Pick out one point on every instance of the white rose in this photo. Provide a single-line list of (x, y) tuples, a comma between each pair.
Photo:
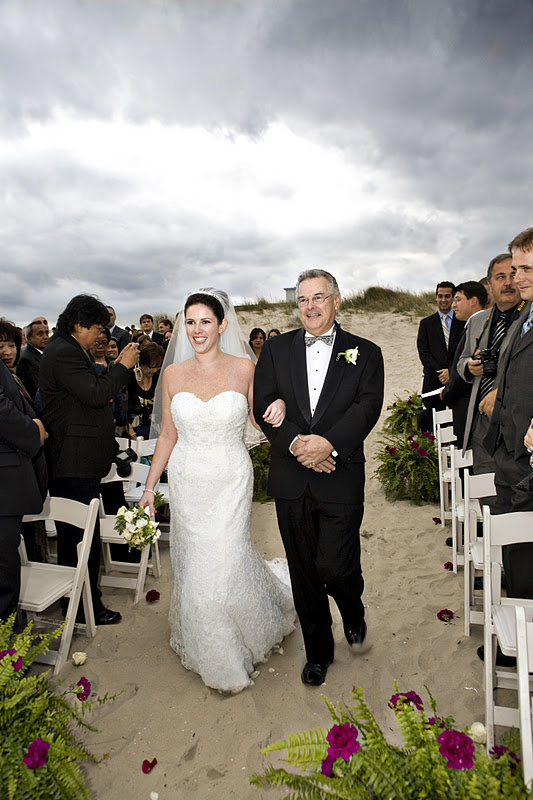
[(140, 523), (122, 510), (128, 516), (79, 659), (478, 733)]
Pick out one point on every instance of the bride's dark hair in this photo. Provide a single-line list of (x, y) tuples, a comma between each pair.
[(199, 298)]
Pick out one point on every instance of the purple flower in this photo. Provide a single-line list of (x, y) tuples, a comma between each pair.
[(409, 403), (84, 690), (390, 450), (406, 697), (499, 750), (327, 765), (431, 437), (147, 766), (343, 741), (36, 754), (445, 615), (424, 434), (399, 411), (422, 452), (436, 721), (12, 652), (152, 596), (457, 748), (414, 445), (448, 565), (411, 436), (436, 520)]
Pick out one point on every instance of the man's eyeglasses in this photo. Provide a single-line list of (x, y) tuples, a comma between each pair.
[(316, 299)]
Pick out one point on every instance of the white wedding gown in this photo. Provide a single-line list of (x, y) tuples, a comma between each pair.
[(228, 608)]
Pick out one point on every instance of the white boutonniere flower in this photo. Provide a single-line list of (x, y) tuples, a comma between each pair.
[(350, 356)]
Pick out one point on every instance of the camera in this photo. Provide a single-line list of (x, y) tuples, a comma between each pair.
[(489, 359), (123, 460)]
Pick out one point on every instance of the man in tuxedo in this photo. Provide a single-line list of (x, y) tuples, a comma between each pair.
[(77, 412), (332, 384), (23, 481), (37, 336), (147, 329), (122, 336), (487, 332), (437, 340)]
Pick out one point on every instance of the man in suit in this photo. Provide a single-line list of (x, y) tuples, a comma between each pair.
[(469, 298), (37, 336), (332, 384), (487, 332), (23, 481), (122, 336), (77, 412), (147, 329), (438, 336)]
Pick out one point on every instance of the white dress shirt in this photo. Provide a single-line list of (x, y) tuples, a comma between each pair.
[(317, 356)]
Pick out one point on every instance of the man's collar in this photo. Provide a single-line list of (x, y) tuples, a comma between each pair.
[(327, 333)]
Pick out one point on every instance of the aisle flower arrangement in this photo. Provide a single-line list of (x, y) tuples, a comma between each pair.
[(409, 468), (403, 414), (39, 753), (354, 760)]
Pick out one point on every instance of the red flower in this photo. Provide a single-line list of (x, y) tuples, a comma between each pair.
[(85, 689), (499, 750), (152, 596), (36, 754), (457, 748), (342, 744), (406, 697), (422, 452), (436, 721), (148, 766), (445, 615), (12, 652), (448, 565), (436, 520)]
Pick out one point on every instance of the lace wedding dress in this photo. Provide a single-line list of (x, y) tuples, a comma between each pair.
[(228, 606)]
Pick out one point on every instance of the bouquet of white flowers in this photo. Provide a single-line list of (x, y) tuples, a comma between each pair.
[(136, 526)]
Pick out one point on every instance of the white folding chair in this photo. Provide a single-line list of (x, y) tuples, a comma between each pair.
[(444, 437), (499, 612), (452, 476), (43, 584), (524, 666), (475, 488)]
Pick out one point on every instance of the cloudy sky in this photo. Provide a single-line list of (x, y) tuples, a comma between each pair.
[(149, 147)]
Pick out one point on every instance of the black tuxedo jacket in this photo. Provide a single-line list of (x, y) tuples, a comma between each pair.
[(347, 410), (23, 478), (122, 337), (432, 348), (77, 411), (28, 369)]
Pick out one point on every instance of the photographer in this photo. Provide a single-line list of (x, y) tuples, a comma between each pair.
[(486, 338)]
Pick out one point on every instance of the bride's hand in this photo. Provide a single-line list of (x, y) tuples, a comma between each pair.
[(275, 413), (147, 502)]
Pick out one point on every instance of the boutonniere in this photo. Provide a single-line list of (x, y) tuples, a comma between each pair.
[(350, 356)]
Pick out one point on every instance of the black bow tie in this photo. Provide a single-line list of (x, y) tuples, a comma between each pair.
[(327, 339)]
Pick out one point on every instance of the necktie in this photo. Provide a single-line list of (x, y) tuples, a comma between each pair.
[(445, 330), (327, 339), (498, 332), (527, 324)]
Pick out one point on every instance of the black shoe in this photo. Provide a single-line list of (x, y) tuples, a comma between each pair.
[(315, 674), (501, 659), (356, 636), (449, 542), (107, 617), (478, 582)]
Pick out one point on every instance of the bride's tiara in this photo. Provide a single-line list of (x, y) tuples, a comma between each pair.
[(221, 296)]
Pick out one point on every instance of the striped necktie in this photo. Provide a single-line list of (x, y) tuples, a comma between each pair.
[(527, 324), (445, 330), (498, 333)]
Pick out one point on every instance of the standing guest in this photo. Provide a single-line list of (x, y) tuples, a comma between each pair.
[(332, 384), (164, 326), (37, 337), (10, 341), (78, 416), (257, 340), (112, 349), (122, 336), (490, 295), (99, 347), (141, 390), (437, 340), (23, 484), (147, 329), (273, 332)]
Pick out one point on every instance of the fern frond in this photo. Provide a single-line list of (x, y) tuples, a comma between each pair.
[(308, 748)]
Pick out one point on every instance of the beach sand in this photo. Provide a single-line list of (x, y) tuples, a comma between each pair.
[(206, 744)]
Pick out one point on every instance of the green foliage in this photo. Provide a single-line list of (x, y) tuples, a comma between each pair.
[(30, 709), (417, 770), (260, 456), (402, 419), (409, 468)]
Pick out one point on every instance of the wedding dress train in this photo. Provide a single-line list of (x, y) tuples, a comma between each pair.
[(228, 608)]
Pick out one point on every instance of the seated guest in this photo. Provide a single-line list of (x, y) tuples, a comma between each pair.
[(77, 413), (257, 340), (141, 390), (37, 336), (273, 332)]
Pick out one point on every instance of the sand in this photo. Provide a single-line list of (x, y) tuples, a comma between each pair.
[(207, 744)]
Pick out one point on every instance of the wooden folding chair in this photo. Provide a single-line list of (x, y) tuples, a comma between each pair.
[(444, 437), (499, 612), (524, 666), (475, 488), (43, 584)]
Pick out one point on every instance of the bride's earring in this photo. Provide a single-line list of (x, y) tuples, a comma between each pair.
[(220, 342)]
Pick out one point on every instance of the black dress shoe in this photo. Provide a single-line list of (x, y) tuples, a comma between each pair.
[(501, 659), (107, 617), (449, 542), (478, 582), (315, 674), (356, 636)]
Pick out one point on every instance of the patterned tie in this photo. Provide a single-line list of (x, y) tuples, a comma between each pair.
[(498, 332), (527, 324), (445, 330), (327, 339)]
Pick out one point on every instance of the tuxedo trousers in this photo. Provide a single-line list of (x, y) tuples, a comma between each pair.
[(323, 551)]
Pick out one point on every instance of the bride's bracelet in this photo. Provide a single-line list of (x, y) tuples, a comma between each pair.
[(149, 490)]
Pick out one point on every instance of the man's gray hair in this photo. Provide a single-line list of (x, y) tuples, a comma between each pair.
[(28, 330), (497, 260), (333, 286)]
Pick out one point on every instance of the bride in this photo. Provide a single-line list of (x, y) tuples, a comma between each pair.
[(228, 607)]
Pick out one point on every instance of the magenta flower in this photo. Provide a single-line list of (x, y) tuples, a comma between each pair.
[(399, 411), (422, 452), (390, 450), (36, 754), (436, 721), (84, 690), (406, 697), (12, 652), (445, 615), (436, 520), (411, 436), (457, 748), (147, 766), (327, 766), (448, 565), (342, 744), (409, 403), (431, 437), (152, 596), (499, 750)]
